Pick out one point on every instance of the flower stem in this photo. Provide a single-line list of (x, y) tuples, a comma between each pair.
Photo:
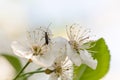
[(30, 73), (29, 61)]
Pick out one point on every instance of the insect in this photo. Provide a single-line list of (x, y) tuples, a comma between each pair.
[(46, 34)]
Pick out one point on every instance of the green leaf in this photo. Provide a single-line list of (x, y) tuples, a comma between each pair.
[(15, 62), (79, 71), (103, 57)]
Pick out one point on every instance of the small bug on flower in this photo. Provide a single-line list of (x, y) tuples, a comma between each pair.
[(47, 34)]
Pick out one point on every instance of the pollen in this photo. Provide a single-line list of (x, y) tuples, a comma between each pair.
[(58, 70), (37, 50), (75, 46)]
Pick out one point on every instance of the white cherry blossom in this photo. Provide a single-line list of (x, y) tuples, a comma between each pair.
[(34, 46), (77, 50), (61, 69)]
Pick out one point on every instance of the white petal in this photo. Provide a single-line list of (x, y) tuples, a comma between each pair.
[(58, 48), (53, 76), (47, 59), (21, 50), (66, 77), (35, 60), (59, 45), (88, 59), (58, 61), (67, 67), (75, 58)]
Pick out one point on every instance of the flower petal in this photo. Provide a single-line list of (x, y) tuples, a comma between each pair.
[(74, 57), (53, 76), (67, 72), (45, 60), (59, 46), (21, 50), (58, 49), (41, 63), (88, 59)]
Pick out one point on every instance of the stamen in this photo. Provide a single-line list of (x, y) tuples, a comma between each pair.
[(84, 39)]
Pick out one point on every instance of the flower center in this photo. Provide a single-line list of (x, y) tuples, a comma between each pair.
[(37, 50), (58, 70), (75, 46)]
